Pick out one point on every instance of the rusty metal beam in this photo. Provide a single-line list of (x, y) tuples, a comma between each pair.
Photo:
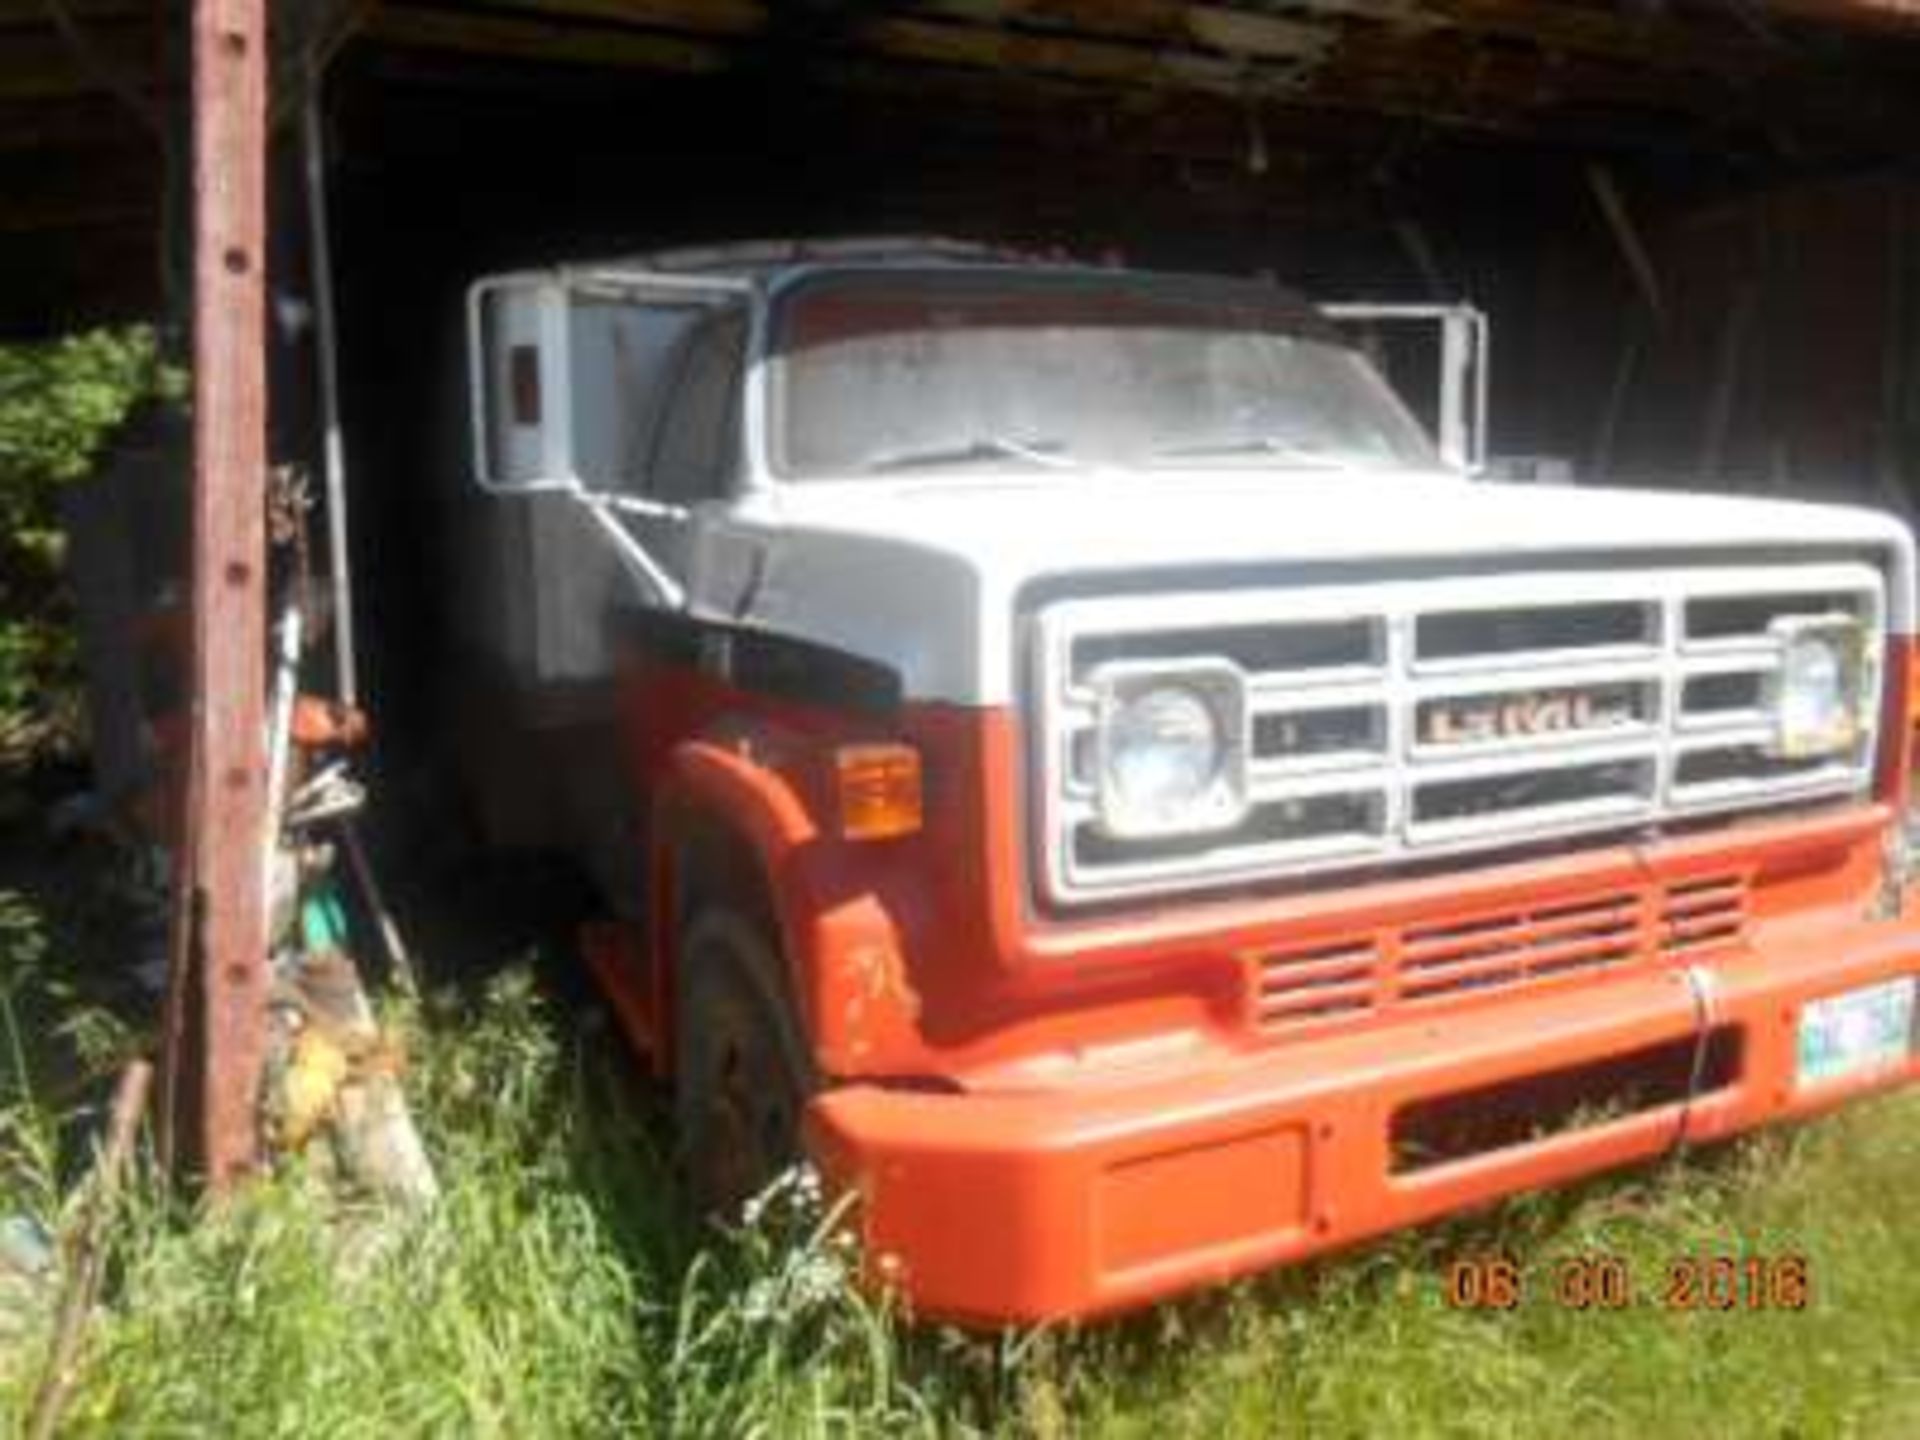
[(215, 1068)]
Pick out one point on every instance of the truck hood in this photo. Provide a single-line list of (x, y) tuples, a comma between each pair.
[(925, 574)]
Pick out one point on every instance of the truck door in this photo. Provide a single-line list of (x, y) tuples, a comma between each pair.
[(602, 427), (695, 457)]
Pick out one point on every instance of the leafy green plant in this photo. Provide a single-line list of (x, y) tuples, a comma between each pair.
[(60, 402), (773, 1334)]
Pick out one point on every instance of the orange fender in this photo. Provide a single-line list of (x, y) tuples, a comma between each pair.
[(841, 946)]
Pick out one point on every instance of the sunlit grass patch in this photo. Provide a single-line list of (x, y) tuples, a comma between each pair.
[(519, 1305)]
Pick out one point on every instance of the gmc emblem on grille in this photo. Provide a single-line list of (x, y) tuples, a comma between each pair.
[(1482, 718)]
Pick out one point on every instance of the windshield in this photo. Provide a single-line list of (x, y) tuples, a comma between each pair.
[(890, 373)]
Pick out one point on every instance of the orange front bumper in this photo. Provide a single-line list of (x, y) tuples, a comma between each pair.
[(1111, 1190)]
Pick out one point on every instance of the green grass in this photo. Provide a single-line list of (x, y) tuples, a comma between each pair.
[(551, 1293)]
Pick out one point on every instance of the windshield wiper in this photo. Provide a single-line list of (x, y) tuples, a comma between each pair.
[(980, 447), (1256, 445)]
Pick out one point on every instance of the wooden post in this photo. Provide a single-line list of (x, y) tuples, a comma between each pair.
[(218, 1030)]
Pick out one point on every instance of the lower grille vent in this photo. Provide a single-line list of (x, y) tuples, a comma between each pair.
[(1347, 977)]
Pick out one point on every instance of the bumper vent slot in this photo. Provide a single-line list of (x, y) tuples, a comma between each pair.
[(1508, 950), (1318, 983), (1703, 915), (1349, 977)]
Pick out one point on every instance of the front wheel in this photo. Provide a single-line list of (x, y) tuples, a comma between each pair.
[(742, 1076)]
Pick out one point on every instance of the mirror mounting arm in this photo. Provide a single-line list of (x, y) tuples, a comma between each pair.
[(603, 508), (639, 505)]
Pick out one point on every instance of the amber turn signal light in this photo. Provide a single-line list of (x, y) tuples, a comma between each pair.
[(880, 794)]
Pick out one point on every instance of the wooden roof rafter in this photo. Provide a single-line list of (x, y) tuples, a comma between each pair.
[(1644, 37), (1564, 73), (1889, 17), (1750, 87)]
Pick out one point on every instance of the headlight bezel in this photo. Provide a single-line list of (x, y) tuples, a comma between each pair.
[(1848, 640), (1222, 688)]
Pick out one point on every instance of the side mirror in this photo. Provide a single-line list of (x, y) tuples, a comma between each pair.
[(521, 395), (1460, 407)]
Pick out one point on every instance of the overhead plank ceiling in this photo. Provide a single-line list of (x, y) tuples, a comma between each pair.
[(90, 90), (1732, 69)]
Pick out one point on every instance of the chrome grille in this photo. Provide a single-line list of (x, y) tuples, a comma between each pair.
[(1402, 720)]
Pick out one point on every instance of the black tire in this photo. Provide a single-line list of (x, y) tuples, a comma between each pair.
[(742, 1077)]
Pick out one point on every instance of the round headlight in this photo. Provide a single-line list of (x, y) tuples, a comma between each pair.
[(1817, 692), (1164, 753)]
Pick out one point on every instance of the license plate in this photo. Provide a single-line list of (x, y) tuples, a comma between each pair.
[(1858, 1032)]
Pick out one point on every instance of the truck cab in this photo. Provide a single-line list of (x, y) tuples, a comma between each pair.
[(1065, 751)]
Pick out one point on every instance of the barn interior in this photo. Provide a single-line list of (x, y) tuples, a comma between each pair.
[(1694, 223)]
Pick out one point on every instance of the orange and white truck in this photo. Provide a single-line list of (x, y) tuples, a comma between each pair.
[(1064, 750)]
